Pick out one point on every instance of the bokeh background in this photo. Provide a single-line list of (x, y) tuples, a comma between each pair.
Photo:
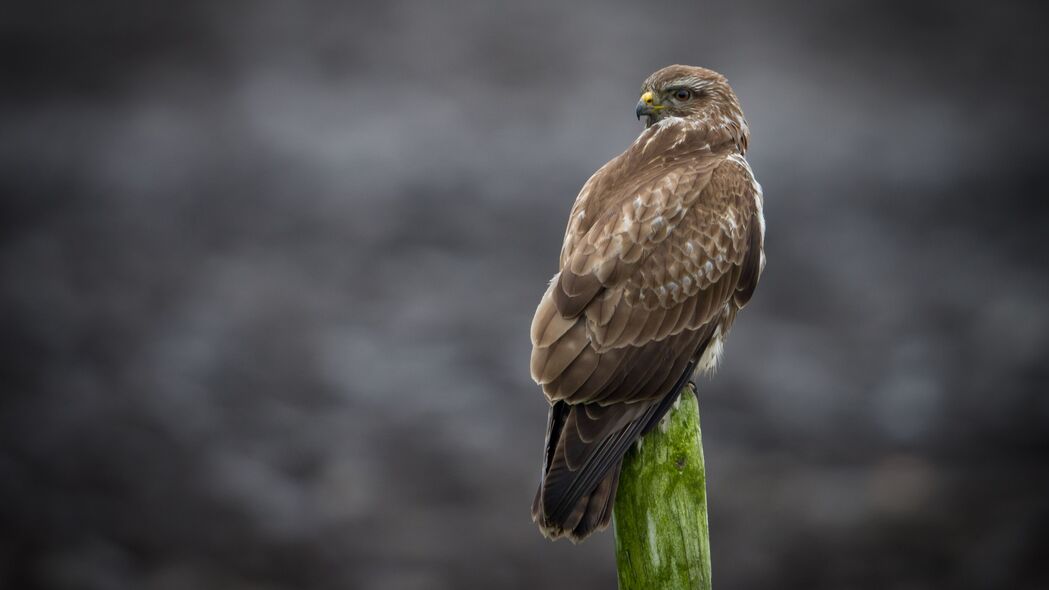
[(268, 270)]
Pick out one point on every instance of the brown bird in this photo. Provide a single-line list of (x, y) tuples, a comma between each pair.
[(664, 245)]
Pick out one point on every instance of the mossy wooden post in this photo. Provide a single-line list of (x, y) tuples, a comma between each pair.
[(662, 540)]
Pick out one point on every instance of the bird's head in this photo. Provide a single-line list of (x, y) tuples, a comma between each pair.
[(687, 92)]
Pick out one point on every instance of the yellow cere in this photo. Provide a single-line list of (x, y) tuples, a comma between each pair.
[(650, 99)]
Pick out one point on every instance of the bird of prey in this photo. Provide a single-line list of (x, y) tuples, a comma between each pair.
[(664, 245)]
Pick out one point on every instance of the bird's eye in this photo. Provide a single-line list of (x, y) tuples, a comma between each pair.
[(682, 94)]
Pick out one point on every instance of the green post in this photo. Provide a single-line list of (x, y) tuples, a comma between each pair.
[(662, 539)]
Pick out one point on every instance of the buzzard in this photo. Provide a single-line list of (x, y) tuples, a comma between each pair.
[(664, 246)]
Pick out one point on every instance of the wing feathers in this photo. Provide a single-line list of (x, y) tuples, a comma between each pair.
[(577, 373), (548, 363), (681, 284), (574, 292), (548, 325), (751, 269)]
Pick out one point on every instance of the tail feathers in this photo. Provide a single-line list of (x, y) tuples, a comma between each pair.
[(584, 453), (591, 513)]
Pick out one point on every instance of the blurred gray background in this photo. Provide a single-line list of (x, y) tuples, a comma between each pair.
[(268, 270)]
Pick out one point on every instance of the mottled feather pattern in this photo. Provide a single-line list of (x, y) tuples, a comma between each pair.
[(664, 245)]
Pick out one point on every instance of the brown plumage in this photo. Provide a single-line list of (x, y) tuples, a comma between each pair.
[(664, 245)]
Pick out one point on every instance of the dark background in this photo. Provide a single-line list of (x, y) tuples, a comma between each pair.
[(268, 269)]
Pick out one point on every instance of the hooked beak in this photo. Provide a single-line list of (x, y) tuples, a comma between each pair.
[(648, 107)]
